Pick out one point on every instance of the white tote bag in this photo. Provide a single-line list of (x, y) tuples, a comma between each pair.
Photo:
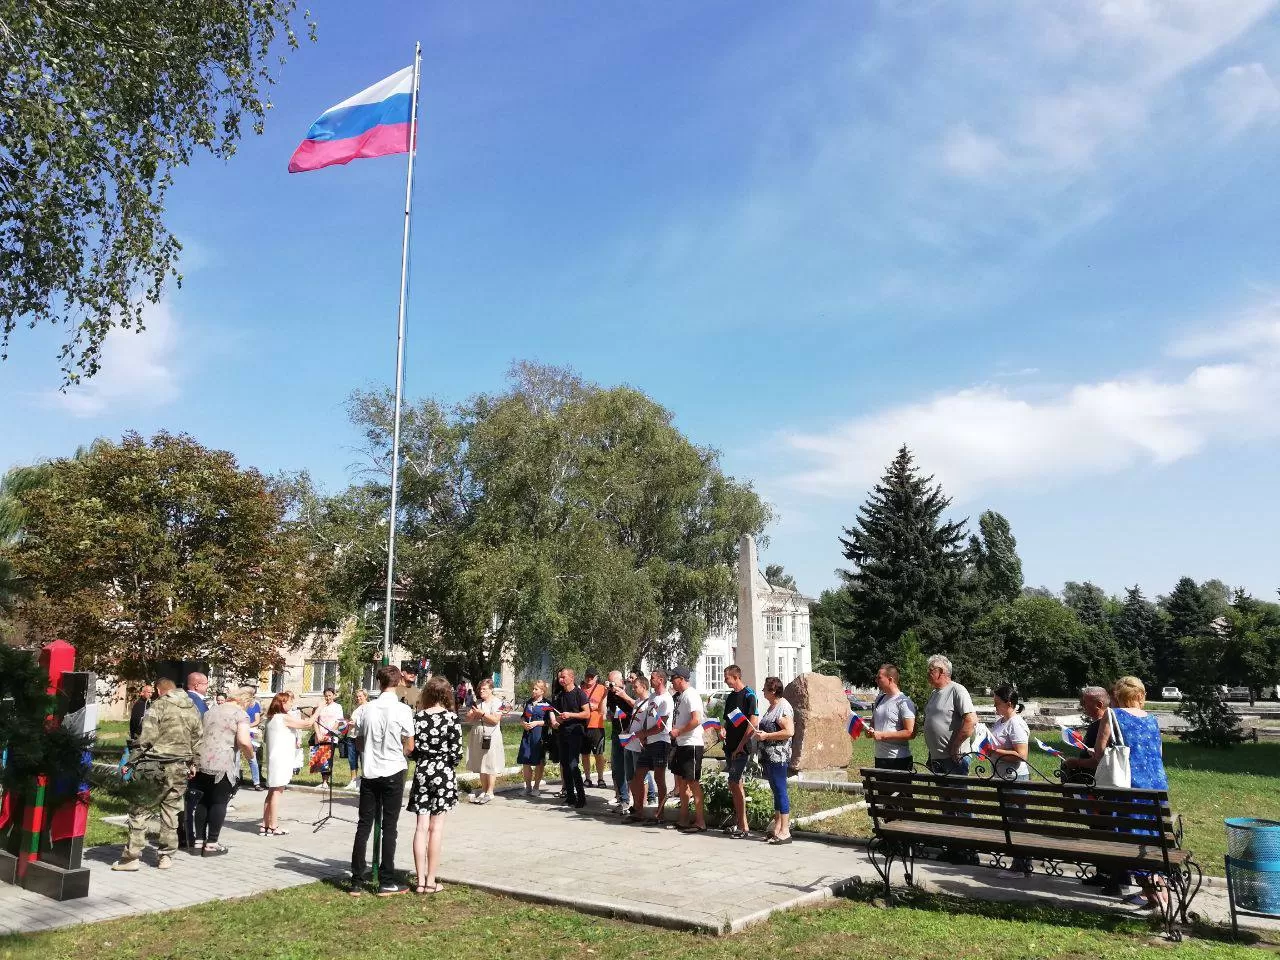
[(1113, 768)]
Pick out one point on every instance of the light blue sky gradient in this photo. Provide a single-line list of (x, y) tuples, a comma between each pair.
[(1036, 242)]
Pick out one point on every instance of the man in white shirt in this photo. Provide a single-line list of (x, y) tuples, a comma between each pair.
[(328, 717), (654, 734), (686, 766), (385, 730)]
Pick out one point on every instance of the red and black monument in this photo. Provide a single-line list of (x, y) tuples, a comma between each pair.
[(42, 827)]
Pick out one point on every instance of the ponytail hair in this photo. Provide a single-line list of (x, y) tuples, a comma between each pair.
[(1008, 692)]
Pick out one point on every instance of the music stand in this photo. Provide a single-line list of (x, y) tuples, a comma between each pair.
[(327, 815)]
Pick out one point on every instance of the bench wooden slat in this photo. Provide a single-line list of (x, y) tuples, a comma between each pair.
[(889, 777), (1033, 844), (904, 809), (1051, 830), (1069, 802)]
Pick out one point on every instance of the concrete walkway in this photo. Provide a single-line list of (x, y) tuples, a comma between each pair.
[(725, 885)]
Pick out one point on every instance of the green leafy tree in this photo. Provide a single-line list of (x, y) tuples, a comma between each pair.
[(160, 549), (830, 634), (1088, 602), (1046, 650), (102, 104), (775, 576), (557, 517), (913, 669), (909, 563), (994, 553)]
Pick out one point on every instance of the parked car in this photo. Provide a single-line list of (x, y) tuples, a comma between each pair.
[(1237, 693), (1170, 693)]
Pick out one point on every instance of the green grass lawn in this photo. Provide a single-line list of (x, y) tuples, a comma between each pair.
[(1206, 786), (319, 921)]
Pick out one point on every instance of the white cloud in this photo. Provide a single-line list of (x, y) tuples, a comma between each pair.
[(1257, 332), (969, 155), (137, 369), (989, 436), (1242, 96)]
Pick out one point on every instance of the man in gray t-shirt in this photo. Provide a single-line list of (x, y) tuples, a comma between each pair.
[(949, 719), (893, 722)]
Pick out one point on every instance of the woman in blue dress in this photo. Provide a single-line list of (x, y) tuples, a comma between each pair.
[(533, 749), (1140, 732)]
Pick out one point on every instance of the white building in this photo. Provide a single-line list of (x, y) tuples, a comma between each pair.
[(786, 649)]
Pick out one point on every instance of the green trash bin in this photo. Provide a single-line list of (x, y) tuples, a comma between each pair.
[(1253, 867)]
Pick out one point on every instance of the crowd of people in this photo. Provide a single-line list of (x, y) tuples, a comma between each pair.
[(652, 726)]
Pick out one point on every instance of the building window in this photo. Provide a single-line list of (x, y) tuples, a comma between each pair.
[(277, 681), (795, 665), (370, 679), (713, 673), (320, 674), (773, 627)]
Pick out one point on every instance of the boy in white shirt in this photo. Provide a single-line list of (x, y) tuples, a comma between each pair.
[(686, 766)]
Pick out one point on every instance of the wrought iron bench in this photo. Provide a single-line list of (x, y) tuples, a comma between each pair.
[(1088, 827)]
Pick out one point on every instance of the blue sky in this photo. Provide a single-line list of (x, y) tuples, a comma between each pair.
[(1035, 241)]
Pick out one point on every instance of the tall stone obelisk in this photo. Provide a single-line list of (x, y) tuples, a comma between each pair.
[(751, 652)]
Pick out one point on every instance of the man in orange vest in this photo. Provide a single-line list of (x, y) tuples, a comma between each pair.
[(593, 741)]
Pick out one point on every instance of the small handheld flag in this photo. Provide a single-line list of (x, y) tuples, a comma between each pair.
[(711, 723), (736, 717), (856, 726), (619, 713), (625, 738), (1072, 738), (985, 747), (1048, 749)]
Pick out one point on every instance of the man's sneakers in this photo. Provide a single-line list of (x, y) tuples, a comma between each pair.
[(165, 862), (132, 865), (390, 888), (354, 784)]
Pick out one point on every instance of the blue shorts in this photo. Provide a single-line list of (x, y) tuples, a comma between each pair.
[(736, 767)]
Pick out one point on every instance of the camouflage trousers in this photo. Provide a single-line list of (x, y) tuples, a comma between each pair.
[(167, 783)]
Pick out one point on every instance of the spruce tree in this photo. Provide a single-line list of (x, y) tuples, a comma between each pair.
[(908, 561), (1137, 629), (1187, 618), (1212, 722)]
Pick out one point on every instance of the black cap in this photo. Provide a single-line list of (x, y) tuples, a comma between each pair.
[(681, 672), (591, 672)]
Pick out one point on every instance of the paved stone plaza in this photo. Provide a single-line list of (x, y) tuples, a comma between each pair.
[(633, 868)]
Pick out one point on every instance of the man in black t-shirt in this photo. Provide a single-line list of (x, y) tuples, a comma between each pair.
[(140, 708), (740, 706), (572, 709)]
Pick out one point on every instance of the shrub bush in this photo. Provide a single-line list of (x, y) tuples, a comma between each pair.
[(719, 803)]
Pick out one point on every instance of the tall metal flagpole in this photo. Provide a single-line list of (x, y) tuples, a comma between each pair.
[(395, 430), (404, 288)]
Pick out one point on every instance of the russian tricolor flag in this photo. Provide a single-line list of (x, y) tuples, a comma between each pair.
[(984, 747), (1073, 738), (1048, 749), (373, 123), (625, 738), (737, 717), (856, 726), (711, 723), (619, 713)]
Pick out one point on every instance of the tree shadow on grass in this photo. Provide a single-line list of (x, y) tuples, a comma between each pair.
[(872, 893)]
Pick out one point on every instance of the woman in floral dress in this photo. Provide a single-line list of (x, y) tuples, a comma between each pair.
[(437, 750)]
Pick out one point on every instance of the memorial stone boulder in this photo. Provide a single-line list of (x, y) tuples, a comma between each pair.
[(822, 718)]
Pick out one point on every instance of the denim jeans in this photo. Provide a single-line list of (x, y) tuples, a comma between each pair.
[(379, 800), (776, 774), (618, 766)]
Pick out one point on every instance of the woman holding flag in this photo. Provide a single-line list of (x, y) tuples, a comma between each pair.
[(775, 730), (533, 751)]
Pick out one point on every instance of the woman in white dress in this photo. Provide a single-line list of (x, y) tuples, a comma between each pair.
[(281, 746), (484, 747)]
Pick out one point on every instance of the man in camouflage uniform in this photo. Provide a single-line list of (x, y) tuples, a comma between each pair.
[(166, 752)]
